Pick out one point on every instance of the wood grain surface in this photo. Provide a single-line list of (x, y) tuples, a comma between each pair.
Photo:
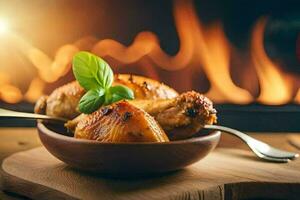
[(224, 174), (19, 139), (13, 140), (295, 140)]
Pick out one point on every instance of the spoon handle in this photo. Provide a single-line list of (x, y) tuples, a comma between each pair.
[(261, 149), (231, 131), (4, 113)]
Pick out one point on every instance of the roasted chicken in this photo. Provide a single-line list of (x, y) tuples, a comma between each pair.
[(120, 122), (180, 117), (63, 102)]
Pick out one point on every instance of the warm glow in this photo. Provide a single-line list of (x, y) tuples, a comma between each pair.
[(35, 90), (297, 98), (209, 49), (10, 94), (275, 87), (48, 69), (3, 26), (4, 79), (204, 49), (213, 52)]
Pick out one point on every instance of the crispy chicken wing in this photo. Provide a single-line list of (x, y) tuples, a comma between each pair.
[(64, 100), (120, 122), (180, 117)]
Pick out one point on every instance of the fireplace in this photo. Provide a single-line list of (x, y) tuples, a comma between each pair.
[(246, 58)]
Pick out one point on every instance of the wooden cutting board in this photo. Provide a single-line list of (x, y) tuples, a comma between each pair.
[(224, 174)]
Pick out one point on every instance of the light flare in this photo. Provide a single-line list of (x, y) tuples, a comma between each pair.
[(4, 26)]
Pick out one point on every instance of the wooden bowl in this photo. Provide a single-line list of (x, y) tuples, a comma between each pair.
[(127, 159)]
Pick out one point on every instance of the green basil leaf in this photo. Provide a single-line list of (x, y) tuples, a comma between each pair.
[(96, 77), (118, 93), (91, 71), (92, 100), (105, 74), (85, 69)]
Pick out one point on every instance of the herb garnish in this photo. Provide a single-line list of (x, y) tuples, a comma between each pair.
[(96, 77)]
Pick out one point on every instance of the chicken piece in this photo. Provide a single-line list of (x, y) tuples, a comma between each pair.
[(145, 88), (120, 122), (64, 100), (180, 117)]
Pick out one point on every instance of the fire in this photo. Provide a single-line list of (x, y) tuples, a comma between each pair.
[(275, 87), (203, 49), (213, 53), (35, 90), (50, 70), (10, 93), (297, 98)]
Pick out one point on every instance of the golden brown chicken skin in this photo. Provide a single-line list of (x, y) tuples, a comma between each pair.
[(180, 117), (63, 101), (120, 122), (145, 88)]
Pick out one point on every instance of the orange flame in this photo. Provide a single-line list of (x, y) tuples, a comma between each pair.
[(35, 90), (214, 54), (10, 93), (49, 70), (210, 49), (275, 87), (297, 98), (204, 48)]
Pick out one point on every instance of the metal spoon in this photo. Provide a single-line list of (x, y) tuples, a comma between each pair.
[(14, 114), (262, 150)]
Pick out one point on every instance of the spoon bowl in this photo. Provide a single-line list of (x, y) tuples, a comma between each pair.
[(125, 159)]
